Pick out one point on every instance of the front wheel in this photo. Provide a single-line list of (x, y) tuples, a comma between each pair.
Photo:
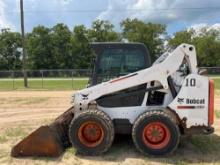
[(92, 132), (155, 133)]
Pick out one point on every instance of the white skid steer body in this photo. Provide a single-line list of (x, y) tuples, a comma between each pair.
[(188, 96)]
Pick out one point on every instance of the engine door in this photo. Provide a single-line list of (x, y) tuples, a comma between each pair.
[(192, 100)]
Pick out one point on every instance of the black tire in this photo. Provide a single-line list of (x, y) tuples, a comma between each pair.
[(169, 134), (79, 139)]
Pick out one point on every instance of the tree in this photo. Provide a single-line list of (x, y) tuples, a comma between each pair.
[(180, 37), (40, 49), (102, 31), (10, 57), (205, 40), (152, 35), (80, 47), (60, 48), (61, 51), (208, 49)]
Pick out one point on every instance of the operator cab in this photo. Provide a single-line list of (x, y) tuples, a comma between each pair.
[(114, 59)]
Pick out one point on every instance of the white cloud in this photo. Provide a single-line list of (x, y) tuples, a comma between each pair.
[(4, 23), (204, 27), (156, 10), (56, 11), (201, 26), (64, 2)]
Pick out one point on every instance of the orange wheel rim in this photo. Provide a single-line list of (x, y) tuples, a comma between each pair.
[(91, 134), (156, 135)]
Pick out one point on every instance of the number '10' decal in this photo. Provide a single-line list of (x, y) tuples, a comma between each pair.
[(191, 82)]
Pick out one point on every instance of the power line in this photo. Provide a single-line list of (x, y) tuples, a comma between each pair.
[(118, 10)]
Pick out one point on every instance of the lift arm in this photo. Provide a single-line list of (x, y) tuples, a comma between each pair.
[(158, 72)]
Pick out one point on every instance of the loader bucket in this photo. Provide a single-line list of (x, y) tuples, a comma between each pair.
[(46, 141)]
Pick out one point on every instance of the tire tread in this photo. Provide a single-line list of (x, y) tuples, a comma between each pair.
[(159, 113), (103, 116)]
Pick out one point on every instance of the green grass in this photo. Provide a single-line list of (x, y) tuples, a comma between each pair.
[(217, 84), (217, 113), (216, 79), (3, 139), (47, 84), (16, 132), (55, 84), (206, 144)]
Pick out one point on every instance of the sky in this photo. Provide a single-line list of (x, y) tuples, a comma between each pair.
[(175, 14)]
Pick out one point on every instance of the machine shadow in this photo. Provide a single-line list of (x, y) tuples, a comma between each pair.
[(192, 149)]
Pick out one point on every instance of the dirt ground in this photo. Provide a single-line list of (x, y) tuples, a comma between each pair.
[(23, 111)]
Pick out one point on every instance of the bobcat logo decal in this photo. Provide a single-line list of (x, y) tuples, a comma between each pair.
[(180, 100)]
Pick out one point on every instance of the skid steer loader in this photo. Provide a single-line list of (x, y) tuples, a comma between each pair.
[(156, 104)]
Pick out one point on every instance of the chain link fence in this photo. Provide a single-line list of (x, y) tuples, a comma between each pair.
[(45, 79), (69, 79), (212, 70)]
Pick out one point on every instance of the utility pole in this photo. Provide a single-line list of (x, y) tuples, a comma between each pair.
[(23, 45)]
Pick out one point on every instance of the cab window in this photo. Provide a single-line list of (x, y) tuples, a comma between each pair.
[(117, 62)]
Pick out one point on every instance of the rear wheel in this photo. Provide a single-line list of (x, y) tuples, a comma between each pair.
[(155, 133), (92, 132)]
